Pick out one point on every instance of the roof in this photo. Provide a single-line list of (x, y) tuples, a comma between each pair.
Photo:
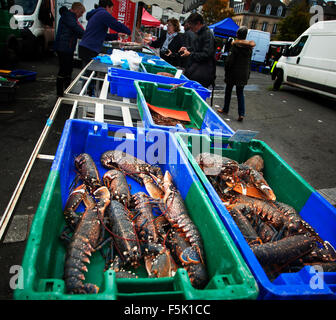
[(148, 20), (322, 27), (264, 3)]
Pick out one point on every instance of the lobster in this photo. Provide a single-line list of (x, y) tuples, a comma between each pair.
[(129, 164), (83, 243), (239, 177), (189, 258), (158, 260), (87, 171), (75, 198), (177, 215), (283, 251), (117, 266), (116, 182), (123, 232), (277, 214), (263, 209), (244, 225), (256, 162)]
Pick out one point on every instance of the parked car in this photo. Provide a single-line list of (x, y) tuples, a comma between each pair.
[(310, 62)]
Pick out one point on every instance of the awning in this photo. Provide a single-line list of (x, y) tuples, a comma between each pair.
[(225, 28), (148, 20)]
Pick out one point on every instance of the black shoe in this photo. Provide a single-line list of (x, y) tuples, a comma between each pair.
[(222, 111), (240, 118)]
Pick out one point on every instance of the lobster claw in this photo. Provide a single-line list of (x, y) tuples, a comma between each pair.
[(161, 265), (190, 255), (261, 184)]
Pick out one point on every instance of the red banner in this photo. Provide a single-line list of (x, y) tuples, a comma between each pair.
[(124, 12)]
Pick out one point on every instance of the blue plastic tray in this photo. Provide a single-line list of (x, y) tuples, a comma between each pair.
[(186, 99), (289, 188), (23, 75), (122, 82)]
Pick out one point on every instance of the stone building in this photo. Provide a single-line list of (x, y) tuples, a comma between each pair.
[(263, 15)]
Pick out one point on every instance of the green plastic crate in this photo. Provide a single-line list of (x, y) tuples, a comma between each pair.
[(289, 187), (154, 68), (43, 262), (202, 116)]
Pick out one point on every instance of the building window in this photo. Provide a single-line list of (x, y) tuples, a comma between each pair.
[(268, 9), (274, 30), (264, 26), (279, 12), (253, 24), (257, 8)]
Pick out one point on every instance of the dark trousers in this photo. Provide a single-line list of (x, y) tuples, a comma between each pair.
[(86, 54), (240, 98), (65, 60)]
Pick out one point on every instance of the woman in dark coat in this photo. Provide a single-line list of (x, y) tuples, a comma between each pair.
[(69, 30), (237, 71), (170, 43)]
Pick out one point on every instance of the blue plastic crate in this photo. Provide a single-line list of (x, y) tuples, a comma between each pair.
[(23, 75), (203, 118), (294, 191), (122, 82)]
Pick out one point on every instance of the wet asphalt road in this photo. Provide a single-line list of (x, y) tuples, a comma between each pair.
[(299, 126)]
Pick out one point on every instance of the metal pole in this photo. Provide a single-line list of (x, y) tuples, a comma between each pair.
[(17, 192)]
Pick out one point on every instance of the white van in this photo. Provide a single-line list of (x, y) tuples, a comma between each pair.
[(37, 19), (310, 62), (262, 40)]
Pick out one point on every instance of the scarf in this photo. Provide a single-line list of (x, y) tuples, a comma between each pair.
[(169, 38)]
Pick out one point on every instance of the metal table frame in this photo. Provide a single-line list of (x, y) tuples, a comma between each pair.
[(100, 107)]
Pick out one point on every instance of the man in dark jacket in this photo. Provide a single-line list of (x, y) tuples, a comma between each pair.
[(189, 40), (69, 30), (96, 32), (237, 71), (202, 61)]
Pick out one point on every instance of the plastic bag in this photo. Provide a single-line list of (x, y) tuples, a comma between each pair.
[(118, 58)]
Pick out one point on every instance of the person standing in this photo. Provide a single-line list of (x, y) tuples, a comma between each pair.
[(96, 32), (170, 43), (202, 56), (189, 39), (69, 30), (237, 71)]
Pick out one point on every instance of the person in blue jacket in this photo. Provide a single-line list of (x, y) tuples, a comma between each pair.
[(96, 32), (69, 30)]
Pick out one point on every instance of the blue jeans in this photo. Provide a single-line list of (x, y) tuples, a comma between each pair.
[(240, 98)]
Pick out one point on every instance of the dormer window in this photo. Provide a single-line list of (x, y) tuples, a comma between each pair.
[(268, 9), (257, 8), (279, 11)]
